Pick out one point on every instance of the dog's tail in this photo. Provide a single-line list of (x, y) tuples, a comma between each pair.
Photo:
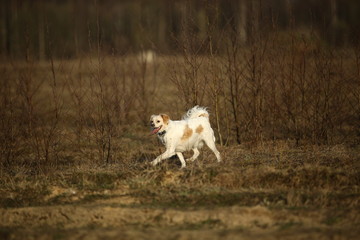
[(196, 112)]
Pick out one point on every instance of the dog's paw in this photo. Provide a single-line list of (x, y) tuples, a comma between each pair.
[(153, 163)]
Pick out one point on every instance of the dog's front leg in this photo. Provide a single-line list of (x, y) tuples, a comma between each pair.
[(182, 160), (165, 155)]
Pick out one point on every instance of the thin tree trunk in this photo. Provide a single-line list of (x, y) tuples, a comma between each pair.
[(242, 21), (41, 30), (4, 19), (334, 22), (6, 27)]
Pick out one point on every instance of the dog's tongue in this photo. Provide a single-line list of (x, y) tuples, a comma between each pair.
[(155, 130)]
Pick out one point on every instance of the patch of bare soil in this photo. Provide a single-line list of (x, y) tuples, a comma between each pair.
[(111, 219)]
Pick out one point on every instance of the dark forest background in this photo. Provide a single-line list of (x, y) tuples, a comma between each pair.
[(70, 28)]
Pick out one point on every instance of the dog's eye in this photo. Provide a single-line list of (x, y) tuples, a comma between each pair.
[(157, 121)]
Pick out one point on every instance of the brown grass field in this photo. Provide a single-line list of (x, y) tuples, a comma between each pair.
[(265, 193), (75, 148)]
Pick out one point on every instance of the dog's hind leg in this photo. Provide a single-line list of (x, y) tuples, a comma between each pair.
[(182, 160), (194, 157), (211, 145)]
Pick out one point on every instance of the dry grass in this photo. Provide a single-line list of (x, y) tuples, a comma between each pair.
[(269, 191)]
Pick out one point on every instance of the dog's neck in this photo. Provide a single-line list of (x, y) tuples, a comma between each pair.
[(161, 134)]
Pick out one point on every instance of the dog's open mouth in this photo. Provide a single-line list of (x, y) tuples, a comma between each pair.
[(155, 130)]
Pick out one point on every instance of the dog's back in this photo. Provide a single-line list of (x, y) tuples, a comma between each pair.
[(192, 130)]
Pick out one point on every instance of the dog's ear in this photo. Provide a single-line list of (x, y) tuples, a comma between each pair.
[(165, 118)]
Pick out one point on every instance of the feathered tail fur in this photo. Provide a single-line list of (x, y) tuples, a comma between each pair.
[(196, 112)]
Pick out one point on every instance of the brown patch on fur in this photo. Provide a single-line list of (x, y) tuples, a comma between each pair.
[(203, 115), (187, 133), (165, 118), (199, 129)]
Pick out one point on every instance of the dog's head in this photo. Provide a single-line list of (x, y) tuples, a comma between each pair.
[(159, 123)]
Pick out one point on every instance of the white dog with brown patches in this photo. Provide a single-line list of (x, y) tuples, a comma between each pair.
[(190, 133)]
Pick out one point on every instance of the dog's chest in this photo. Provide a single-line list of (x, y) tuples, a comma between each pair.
[(162, 139)]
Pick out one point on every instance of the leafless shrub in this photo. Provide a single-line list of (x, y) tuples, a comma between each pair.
[(186, 73), (233, 71), (144, 77), (279, 86), (353, 93), (10, 125), (31, 115)]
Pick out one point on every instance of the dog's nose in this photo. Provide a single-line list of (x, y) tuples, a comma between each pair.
[(152, 124)]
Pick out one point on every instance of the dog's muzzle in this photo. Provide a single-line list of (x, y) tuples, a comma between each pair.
[(155, 130)]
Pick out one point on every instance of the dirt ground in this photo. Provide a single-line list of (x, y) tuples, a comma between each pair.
[(101, 220), (122, 218)]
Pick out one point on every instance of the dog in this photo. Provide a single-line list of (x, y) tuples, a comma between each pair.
[(187, 134)]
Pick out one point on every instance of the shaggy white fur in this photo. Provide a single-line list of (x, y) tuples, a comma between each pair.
[(179, 136)]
